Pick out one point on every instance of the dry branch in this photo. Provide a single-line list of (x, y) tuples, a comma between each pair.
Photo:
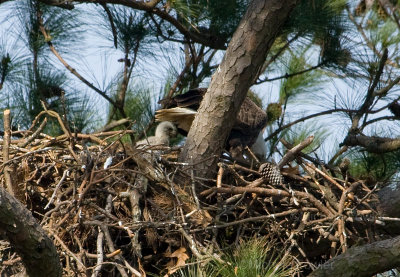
[(133, 206), (6, 145), (361, 261), (28, 238)]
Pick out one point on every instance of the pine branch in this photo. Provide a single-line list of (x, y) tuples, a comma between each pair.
[(368, 41), (280, 129), (58, 3), (113, 29), (71, 69), (150, 6), (286, 76), (372, 144), (390, 10), (369, 98)]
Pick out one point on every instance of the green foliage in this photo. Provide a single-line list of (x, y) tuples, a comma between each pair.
[(300, 132), (322, 21), (317, 18), (49, 87), (388, 34), (27, 96), (36, 82), (131, 29), (140, 106), (196, 269), (62, 25), (308, 82), (224, 16), (220, 17), (381, 31), (274, 112), (255, 257), (190, 11), (11, 63), (374, 167)]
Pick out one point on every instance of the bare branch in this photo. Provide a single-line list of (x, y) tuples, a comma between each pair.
[(113, 29), (47, 37), (362, 261), (372, 144), (29, 240), (293, 152)]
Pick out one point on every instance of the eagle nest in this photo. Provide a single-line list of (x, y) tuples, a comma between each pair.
[(121, 209)]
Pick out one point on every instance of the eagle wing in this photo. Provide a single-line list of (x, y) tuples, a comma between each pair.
[(181, 110), (182, 117), (190, 99), (250, 121)]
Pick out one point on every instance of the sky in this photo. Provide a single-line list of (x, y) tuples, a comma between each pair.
[(98, 63)]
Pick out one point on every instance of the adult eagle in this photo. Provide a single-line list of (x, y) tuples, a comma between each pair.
[(247, 130)]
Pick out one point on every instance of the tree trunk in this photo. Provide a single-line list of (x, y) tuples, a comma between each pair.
[(27, 237), (366, 260), (388, 201), (242, 62)]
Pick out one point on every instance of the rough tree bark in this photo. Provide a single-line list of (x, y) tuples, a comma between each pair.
[(27, 237), (366, 260), (388, 202), (243, 60)]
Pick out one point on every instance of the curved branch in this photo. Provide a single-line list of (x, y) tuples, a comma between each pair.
[(294, 151), (27, 237), (372, 144), (286, 76), (277, 131), (150, 6), (270, 192), (390, 118), (366, 260), (47, 38), (112, 25)]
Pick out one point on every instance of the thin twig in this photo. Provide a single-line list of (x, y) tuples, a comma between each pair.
[(6, 147)]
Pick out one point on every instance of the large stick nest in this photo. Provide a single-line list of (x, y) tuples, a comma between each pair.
[(115, 209)]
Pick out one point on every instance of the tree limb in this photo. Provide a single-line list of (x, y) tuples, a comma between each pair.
[(243, 59), (372, 144), (27, 237), (366, 260), (47, 38), (150, 6)]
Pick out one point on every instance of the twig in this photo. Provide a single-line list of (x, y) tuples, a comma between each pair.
[(114, 124), (6, 147), (81, 266), (109, 241), (292, 153), (134, 198), (65, 174), (34, 135), (47, 38), (110, 18), (274, 192), (100, 258), (192, 243)]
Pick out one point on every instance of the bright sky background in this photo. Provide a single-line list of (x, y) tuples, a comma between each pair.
[(99, 64)]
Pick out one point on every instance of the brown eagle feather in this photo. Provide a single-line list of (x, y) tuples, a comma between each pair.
[(181, 110)]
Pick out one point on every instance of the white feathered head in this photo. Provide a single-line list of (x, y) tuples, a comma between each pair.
[(166, 129)]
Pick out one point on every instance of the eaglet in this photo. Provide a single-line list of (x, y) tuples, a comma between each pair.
[(247, 130), (164, 131)]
